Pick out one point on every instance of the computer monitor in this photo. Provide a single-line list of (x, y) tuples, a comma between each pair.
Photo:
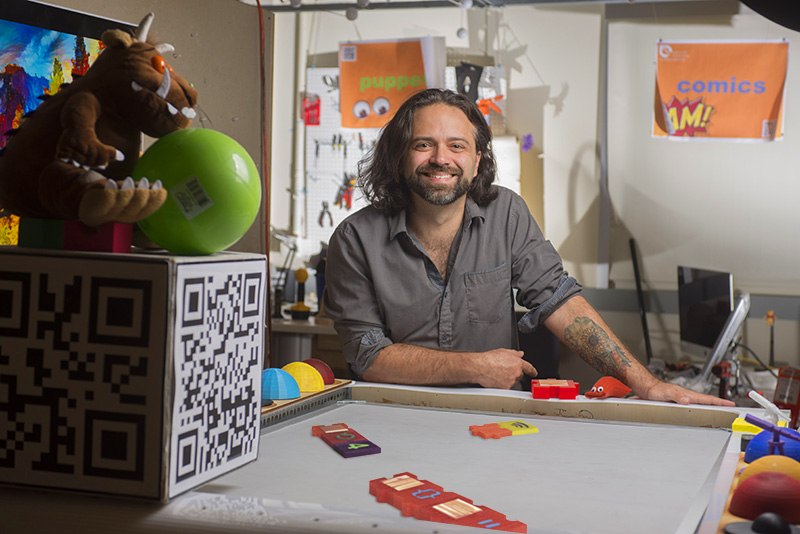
[(708, 310), (705, 301)]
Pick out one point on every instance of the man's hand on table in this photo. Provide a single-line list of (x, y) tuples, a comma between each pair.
[(664, 391)]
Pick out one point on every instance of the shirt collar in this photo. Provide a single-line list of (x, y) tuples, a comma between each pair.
[(397, 222), (472, 212)]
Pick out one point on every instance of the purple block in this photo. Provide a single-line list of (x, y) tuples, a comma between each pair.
[(356, 448)]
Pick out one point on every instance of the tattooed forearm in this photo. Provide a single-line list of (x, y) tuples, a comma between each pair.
[(592, 343)]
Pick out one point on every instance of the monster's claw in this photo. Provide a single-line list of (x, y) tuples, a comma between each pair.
[(189, 113), (127, 202), (172, 109)]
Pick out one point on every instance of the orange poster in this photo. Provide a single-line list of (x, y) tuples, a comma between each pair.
[(376, 77), (720, 90)]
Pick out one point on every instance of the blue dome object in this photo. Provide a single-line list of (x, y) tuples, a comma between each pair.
[(277, 384), (759, 446)]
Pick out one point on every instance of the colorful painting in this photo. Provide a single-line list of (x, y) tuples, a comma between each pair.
[(34, 63)]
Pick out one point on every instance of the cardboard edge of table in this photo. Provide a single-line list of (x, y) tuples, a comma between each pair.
[(622, 410)]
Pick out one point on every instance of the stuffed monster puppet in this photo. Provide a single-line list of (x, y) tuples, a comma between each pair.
[(72, 158)]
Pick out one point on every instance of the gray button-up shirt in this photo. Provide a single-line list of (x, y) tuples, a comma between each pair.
[(381, 286)]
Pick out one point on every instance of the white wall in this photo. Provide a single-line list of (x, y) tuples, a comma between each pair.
[(717, 205)]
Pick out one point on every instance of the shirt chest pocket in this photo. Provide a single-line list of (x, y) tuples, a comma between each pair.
[(488, 294)]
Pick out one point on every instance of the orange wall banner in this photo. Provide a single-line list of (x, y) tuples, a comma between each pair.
[(376, 77), (731, 90)]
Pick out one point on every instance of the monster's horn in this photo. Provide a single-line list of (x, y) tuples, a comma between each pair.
[(144, 28)]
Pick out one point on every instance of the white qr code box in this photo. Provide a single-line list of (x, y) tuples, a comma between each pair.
[(136, 375)]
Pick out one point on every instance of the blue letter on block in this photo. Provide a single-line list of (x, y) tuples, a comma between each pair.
[(434, 494)]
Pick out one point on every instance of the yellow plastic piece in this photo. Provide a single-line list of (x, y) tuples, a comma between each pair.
[(518, 427), (740, 425), (772, 462), (308, 379)]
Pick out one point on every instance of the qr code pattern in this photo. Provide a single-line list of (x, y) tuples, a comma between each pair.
[(94, 353), (81, 373), (219, 357)]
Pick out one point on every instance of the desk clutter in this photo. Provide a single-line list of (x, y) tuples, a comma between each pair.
[(765, 493)]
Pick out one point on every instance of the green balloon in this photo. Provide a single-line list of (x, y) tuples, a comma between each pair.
[(213, 187)]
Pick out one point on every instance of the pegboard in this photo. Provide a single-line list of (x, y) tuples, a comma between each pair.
[(331, 160)]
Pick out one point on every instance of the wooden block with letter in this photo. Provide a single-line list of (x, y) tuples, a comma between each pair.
[(424, 500), (344, 440)]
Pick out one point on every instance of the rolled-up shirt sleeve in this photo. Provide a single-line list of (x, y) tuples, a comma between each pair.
[(351, 302), (537, 270)]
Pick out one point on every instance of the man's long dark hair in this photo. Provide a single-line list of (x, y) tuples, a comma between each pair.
[(380, 173)]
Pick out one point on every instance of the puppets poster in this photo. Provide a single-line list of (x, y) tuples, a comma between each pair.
[(376, 77), (34, 62), (731, 90)]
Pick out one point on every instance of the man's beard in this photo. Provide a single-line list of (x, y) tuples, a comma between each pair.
[(436, 193)]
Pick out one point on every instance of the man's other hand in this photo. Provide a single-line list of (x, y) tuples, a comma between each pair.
[(501, 368)]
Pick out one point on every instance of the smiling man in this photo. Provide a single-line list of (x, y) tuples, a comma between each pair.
[(420, 284)]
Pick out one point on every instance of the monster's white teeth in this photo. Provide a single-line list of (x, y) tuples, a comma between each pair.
[(163, 89), (172, 109), (189, 113), (136, 87)]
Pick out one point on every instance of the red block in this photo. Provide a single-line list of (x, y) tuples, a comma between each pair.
[(344, 440), (319, 430), (424, 500), (552, 388), (332, 438), (109, 237)]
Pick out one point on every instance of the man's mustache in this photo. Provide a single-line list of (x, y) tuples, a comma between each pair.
[(438, 169)]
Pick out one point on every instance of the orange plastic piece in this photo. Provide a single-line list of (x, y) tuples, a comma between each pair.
[(490, 431)]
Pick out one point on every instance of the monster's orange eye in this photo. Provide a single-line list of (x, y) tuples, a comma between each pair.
[(159, 64)]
